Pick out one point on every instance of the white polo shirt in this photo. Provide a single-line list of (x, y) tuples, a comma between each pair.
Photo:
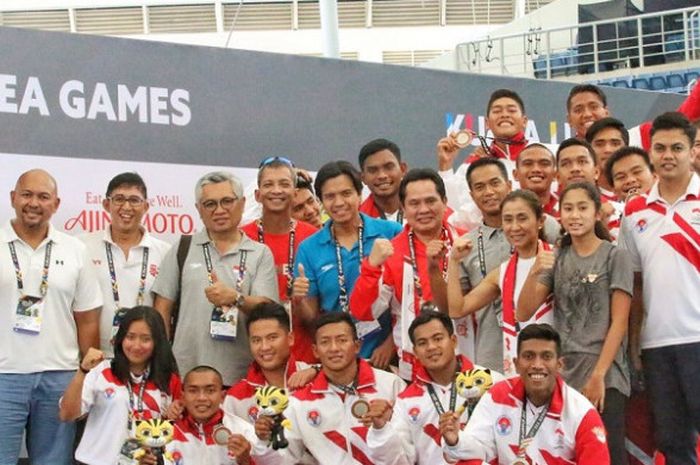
[(664, 243), (71, 288), (106, 399), (128, 274)]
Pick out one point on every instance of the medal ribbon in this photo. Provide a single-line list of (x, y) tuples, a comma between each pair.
[(136, 408), (522, 437), (453, 394), (290, 261), (343, 297), (445, 236), (113, 276), (44, 286)]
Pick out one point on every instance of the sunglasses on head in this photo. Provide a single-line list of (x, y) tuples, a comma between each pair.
[(283, 160)]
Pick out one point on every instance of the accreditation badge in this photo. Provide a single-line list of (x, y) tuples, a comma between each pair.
[(224, 323), (28, 315), (116, 323)]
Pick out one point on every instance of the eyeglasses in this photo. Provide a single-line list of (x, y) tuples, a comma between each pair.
[(120, 200), (226, 203), (282, 160)]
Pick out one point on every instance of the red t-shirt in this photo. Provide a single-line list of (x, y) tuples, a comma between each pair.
[(279, 245)]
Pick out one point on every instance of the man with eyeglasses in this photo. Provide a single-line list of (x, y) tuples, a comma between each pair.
[(225, 274), (124, 257), (49, 314), (282, 234)]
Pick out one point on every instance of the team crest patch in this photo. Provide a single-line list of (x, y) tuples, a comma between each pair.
[(504, 425), (641, 225), (177, 457), (253, 413), (109, 393), (413, 414), (313, 417), (599, 433), (153, 270)]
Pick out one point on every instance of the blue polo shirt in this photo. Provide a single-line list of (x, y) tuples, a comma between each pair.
[(317, 254)]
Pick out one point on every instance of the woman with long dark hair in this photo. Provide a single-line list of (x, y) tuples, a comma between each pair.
[(139, 383), (592, 284)]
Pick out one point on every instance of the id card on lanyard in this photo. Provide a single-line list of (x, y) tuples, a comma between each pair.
[(30, 309), (223, 324)]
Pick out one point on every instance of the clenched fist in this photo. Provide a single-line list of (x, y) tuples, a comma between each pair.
[(381, 251)]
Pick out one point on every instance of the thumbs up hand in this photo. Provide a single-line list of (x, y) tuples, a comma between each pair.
[(300, 287), (544, 261), (219, 293)]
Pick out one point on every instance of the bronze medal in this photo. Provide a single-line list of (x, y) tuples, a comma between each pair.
[(463, 138), (359, 408), (221, 435)]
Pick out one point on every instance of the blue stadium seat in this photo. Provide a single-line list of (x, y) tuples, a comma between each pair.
[(676, 80), (690, 75), (657, 83), (640, 83), (621, 83)]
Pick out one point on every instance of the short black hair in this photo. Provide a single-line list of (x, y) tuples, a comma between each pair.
[(608, 123), (674, 120), (268, 311), (573, 142), (128, 179), (334, 169), (278, 162), (486, 161), (204, 369), (328, 318), (304, 184), (505, 93), (581, 88), (377, 145), (539, 331), (425, 317), (421, 174), (624, 152), (534, 145)]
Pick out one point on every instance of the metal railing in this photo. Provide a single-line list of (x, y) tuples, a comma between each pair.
[(631, 42)]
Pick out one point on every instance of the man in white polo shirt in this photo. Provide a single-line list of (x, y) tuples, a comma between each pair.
[(662, 233), (49, 312), (125, 258)]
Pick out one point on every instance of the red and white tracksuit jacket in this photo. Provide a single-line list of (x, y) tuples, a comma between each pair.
[(193, 443), (321, 420), (379, 288), (413, 429), (571, 433), (240, 398)]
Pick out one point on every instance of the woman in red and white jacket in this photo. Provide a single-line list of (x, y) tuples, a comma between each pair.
[(139, 383)]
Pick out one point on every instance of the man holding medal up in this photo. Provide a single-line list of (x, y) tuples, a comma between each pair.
[(50, 313), (413, 428), (536, 418), (330, 416), (224, 276)]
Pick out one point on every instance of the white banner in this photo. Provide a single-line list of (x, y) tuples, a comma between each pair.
[(82, 184)]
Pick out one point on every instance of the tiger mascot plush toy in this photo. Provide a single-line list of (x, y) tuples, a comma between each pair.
[(472, 385), (153, 435), (272, 402)]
